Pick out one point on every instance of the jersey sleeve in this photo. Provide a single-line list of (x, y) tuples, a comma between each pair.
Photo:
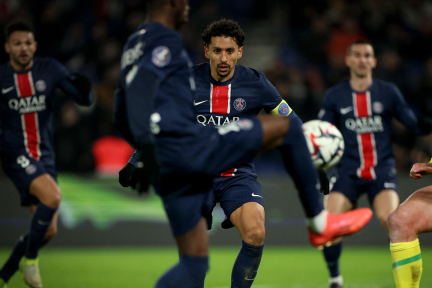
[(328, 111), (272, 102), (59, 71), (403, 112)]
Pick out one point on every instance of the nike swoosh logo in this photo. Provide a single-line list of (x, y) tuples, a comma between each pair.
[(255, 195), (42, 223), (198, 103), (346, 110), (4, 91)]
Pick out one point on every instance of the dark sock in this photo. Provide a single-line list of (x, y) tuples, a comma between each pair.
[(331, 255), (190, 272), (12, 264), (246, 265), (40, 223), (298, 162)]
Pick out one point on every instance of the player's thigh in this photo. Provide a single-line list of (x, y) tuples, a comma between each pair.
[(385, 202), (195, 241), (337, 202), (45, 188), (52, 230), (416, 211), (249, 219)]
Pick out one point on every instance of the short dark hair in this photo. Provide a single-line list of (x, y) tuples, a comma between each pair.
[(224, 27), (19, 25), (361, 41)]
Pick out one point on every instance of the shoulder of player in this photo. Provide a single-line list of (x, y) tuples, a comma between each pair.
[(337, 90), (385, 85), (199, 69), (249, 74), (154, 34), (46, 62)]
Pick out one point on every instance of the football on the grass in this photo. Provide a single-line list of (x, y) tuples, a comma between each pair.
[(325, 142)]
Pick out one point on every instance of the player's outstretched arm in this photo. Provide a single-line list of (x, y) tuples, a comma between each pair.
[(420, 169)]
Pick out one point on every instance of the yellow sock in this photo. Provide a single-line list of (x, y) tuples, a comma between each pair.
[(407, 264)]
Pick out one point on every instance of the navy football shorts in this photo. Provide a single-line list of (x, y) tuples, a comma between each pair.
[(233, 192), (22, 170), (187, 175), (353, 187)]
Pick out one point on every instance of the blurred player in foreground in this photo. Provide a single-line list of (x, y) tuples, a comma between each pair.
[(155, 112), (362, 108), (27, 155), (411, 218)]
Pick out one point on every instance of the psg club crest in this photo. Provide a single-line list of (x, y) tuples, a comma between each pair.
[(161, 56), (377, 107), (31, 169), (239, 104), (40, 85), (283, 109)]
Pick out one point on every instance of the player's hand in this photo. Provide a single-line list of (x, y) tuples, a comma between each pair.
[(420, 169), (126, 174), (81, 82), (324, 181), (146, 169)]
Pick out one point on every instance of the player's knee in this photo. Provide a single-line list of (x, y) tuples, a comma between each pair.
[(255, 236), (54, 199), (400, 223)]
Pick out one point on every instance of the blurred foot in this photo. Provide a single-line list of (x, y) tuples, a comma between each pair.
[(336, 282), (339, 225), (30, 268)]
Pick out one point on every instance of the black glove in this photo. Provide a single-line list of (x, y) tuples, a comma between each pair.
[(425, 124), (81, 83), (126, 174), (324, 181), (144, 172)]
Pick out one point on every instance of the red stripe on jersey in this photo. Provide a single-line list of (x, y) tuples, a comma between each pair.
[(228, 173), (25, 84), (29, 121), (220, 99), (31, 132), (366, 141)]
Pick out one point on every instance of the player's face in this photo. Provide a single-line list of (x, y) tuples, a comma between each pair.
[(21, 47), (183, 12), (361, 60), (223, 53)]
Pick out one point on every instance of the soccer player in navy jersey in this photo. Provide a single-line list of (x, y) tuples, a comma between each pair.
[(412, 217), (362, 108), (226, 91), (27, 155), (155, 113)]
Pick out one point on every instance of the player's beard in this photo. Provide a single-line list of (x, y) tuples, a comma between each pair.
[(223, 74), (21, 63)]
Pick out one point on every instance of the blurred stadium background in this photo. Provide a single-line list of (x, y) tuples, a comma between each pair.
[(107, 235)]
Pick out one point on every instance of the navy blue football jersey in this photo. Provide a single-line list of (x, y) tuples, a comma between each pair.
[(245, 94), (365, 121), (158, 52), (26, 107)]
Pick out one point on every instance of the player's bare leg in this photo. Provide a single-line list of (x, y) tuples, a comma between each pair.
[(249, 220), (192, 267), (412, 217), (384, 203), (47, 191)]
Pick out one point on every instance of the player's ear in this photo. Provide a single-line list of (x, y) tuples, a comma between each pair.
[(374, 62), (240, 53), (6, 46), (206, 52), (36, 45), (347, 63)]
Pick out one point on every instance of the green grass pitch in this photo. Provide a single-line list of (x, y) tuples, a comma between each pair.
[(281, 267)]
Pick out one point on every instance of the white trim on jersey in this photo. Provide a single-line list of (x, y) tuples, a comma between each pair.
[(211, 97)]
